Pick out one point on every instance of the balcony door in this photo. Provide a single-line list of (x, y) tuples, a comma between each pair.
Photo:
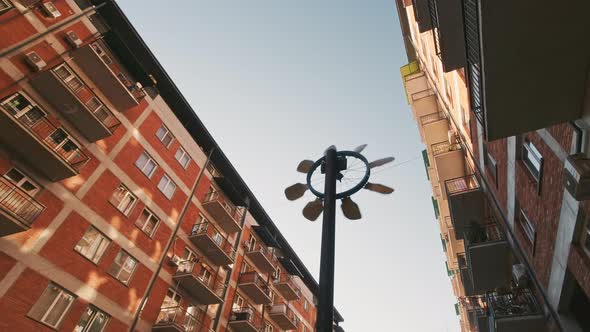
[(170, 307), (22, 181), (191, 320)]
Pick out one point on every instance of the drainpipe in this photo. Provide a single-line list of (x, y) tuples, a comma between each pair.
[(503, 220), (171, 240), (229, 272)]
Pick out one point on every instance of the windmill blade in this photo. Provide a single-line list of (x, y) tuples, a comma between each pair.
[(360, 148), (295, 191), (350, 209), (379, 188), (313, 209), (304, 166), (381, 162)]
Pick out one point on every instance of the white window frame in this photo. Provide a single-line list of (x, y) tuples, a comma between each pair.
[(147, 161), (238, 302), (62, 293), (25, 178), (528, 228), (8, 4), (305, 304), (163, 188), (92, 318), (71, 77), (19, 113), (183, 154), (99, 251), (117, 274), (165, 132), (150, 216), (126, 195), (533, 160), (251, 243)]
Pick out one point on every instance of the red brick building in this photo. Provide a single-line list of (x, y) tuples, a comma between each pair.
[(506, 135), (118, 210)]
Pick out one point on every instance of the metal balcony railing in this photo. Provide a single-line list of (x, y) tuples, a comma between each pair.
[(433, 117), (444, 147), (269, 254), (55, 138), (283, 309), (235, 212), (285, 278), (210, 280), (472, 42), (247, 314), (253, 277), (519, 302), (433, 9), (182, 319), (476, 233), (461, 185), (210, 230), (18, 203)]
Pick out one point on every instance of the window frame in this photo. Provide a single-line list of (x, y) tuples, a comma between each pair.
[(491, 165), (527, 227), (8, 4), (118, 273), (148, 160), (528, 149), (103, 237), (129, 193), (163, 190), (25, 178), (151, 215), (48, 310), (166, 133), (183, 154), (92, 318)]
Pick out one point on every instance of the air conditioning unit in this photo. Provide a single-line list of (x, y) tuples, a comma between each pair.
[(34, 61), (174, 261), (50, 10), (577, 176), (520, 276), (73, 40)]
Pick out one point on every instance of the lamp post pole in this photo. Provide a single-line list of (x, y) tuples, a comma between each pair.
[(326, 300)]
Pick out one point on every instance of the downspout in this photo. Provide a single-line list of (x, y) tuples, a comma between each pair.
[(230, 271), (171, 240), (516, 247)]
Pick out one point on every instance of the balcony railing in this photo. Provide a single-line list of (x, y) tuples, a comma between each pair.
[(55, 138), (519, 303), (247, 315), (444, 147), (461, 185), (209, 230), (213, 282), (283, 316), (262, 257), (471, 17), (253, 277), (223, 211), (232, 210), (179, 319), (257, 289), (285, 283), (476, 233), (18, 203), (433, 117)]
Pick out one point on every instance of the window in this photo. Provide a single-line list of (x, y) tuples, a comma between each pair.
[(19, 104), (245, 267), (305, 304), (22, 181), (62, 141), (92, 245), (4, 6), (98, 49), (528, 228), (164, 136), (147, 222), (491, 165), (52, 306), (167, 187), (146, 164), (533, 160), (182, 157), (238, 302), (123, 267), (268, 327), (124, 200), (304, 329), (92, 320), (172, 299), (251, 243), (69, 78)]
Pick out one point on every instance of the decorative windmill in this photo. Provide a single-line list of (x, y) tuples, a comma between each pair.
[(343, 173)]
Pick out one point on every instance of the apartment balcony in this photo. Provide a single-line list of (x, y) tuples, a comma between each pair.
[(457, 284), (178, 319), (416, 85), (514, 312), (245, 320), (199, 282), (108, 75), (434, 128), (535, 81), (448, 32), (262, 258), (285, 284), (212, 243), (255, 287), (478, 316), (283, 316), (449, 161), (69, 95), (227, 215), (422, 15), (488, 256), (466, 202), (465, 276), (18, 210), (43, 145)]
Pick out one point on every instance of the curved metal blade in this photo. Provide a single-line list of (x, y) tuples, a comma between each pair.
[(304, 166), (379, 188), (295, 191), (313, 209), (381, 162), (350, 209), (360, 148)]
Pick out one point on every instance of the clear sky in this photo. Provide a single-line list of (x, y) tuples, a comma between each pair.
[(279, 81)]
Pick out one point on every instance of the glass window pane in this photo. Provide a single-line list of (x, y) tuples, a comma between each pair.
[(44, 302), (149, 168), (163, 183), (53, 317), (161, 133), (85, 319), (141, 161), (99, 322), (179, 153)]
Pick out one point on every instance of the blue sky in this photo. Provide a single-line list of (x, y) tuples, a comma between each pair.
[(279, 81)]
